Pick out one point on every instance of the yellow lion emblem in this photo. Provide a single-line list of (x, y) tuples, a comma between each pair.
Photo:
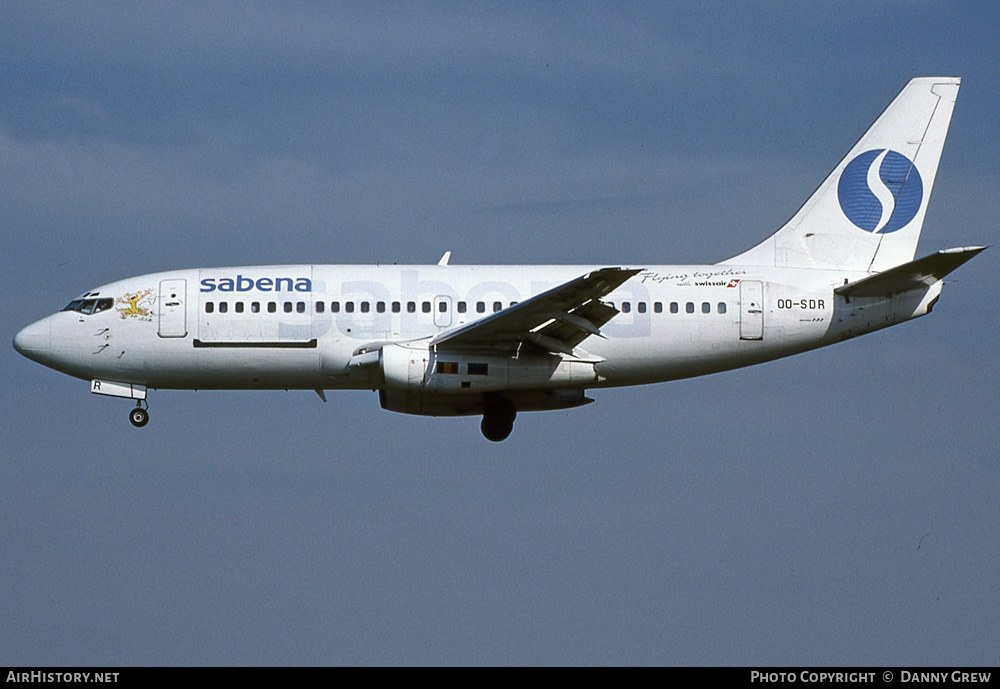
[(136, 305)]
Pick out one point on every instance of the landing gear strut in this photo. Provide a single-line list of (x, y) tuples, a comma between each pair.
[(498, 418), (139, 417)]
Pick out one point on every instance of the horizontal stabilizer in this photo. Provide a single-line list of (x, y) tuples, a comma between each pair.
[(922, 272)]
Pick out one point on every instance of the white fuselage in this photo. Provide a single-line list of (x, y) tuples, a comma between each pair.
[(298, 326)]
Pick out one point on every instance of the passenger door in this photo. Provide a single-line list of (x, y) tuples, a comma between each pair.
[(751, 310), (173, 308)]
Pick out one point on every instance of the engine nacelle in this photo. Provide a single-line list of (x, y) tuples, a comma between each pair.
[(403, 367), (430, 403), (424, 403), (406, 367)]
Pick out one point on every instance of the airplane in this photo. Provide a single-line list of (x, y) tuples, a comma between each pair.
[(454, 340)]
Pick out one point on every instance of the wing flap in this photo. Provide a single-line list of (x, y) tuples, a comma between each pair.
[(570, 328)]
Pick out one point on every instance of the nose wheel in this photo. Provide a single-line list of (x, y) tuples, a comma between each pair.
[(139, 416)]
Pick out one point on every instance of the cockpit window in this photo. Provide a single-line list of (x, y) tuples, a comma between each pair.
[(90, 306)]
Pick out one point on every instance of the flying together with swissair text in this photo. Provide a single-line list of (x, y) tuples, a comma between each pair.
[(492, 341)]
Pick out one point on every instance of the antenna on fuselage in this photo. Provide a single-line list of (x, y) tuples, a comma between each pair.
[(444, 259)]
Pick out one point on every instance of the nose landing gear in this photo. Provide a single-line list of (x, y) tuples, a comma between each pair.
[(139, 416)]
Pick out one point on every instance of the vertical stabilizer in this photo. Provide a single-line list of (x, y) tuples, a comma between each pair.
[(868, 213)]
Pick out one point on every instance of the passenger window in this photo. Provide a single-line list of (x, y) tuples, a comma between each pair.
[(365, 307), (209, 307), (497, 306), (689, 307), (442, 306), (300, 306), (255, 307), (395, 307), (239, 307), (287, 307), (334, 307), (641, 307), (673, 307), (223, 307), (626, 307), (425, 307), (722, 307), (320, 307), (658, 306), (706, 307), (411, 307), (349, 306), (272, 307), (461, 307), (380, 307), (480, 307)]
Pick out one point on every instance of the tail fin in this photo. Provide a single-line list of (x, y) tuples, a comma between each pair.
[(868, 213)]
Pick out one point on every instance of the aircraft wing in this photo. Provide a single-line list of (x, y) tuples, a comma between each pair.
[(556, 320)]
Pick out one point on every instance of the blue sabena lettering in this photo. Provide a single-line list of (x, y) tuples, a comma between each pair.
[(245, 284)]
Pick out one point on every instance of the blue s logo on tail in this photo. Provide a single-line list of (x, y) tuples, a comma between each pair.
[(880, 190)]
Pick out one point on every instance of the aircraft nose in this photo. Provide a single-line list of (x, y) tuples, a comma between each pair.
[(34, 341)]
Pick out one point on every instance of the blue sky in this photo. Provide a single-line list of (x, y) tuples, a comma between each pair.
[(767, 516)]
